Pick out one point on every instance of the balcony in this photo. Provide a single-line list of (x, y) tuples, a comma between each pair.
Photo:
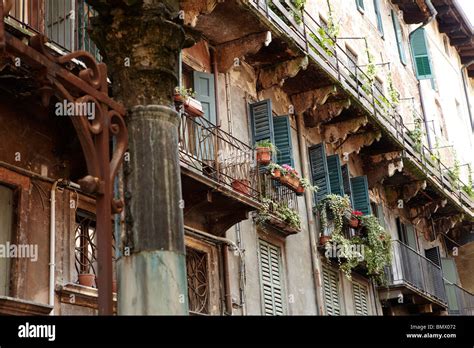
[(221, 183), (414, 282), (332, 61), (460, 301), (64, 22)]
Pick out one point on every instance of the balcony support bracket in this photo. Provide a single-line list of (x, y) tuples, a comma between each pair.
[(277, 75)]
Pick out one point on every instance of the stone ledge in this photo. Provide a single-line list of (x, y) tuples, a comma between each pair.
[(16, 306)]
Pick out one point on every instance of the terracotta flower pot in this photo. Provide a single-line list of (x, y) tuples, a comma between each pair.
[(300, 190), (178, 98), (276, 174), (294, 182), (324, 239), (354, 222), (87, 279), (264, 155), (242, 186), (284, 179)]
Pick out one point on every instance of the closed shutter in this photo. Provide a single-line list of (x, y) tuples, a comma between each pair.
[(319, 170), (378, 16), (360, 194), (271, 276), (450, 275), (433, 255), (205, 93), (360, 5), (282, 134), (346, 181), (381, 215), (262, 121), (421, 56), (361, 306), (335, 175), (6, 220), (411, 236), (399, 37), (331, 292), (60, 22)]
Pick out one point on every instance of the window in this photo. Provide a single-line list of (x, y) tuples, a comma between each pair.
[(360, 5), (406, 234), (205, 93), (360, 297), (331, 292), (433, 255), (271, 278), (378, 16), (360, 194), (277, 129), (198, 280), (352, 60), (6, 225), (421, 55), (399, 37)]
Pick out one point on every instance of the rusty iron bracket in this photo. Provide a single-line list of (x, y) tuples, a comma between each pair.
[(87, 86)]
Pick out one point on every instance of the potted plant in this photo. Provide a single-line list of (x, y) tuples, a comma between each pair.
[(241, 186), (354, 218), (186, 97), (290, 177), (304, 185), (333, 207), (87, 279), (288, 215), (275, 170), (323, 240), (264, 149)]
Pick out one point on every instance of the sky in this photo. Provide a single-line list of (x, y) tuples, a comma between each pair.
[(468, 6)]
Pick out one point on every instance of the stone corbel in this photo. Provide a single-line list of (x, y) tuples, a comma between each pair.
[(312, 99), (355, 142), (443, 225), (404, 193), (339, 131), (276, 75), (325, 113), (382, 167), (229, 52), (192, 9)]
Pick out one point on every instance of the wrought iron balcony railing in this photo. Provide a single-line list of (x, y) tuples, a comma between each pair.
[(411, 269), (460, 301), (305, 31), (209, 151), (64, 22)]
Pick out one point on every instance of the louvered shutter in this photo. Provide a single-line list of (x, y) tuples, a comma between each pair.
[(421, 56), (451, 277), (399, 37), (379, 16), (282, 135), (319, 170), (262, 121), (205, 93), (6, 223), (346, 181), (411, 236), (270, 273), (360, 194), (361, 306), (433, 255), (335, 175), (331, 292)]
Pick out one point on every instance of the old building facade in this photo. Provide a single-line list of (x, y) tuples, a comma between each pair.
[(368, 99)]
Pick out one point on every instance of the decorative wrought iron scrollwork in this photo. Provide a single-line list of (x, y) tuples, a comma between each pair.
[(198, 280)]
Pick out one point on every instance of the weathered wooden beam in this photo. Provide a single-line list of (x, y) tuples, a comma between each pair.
[(324, 113), (312, 99), (339, 131), (277, 74), (230, 53)]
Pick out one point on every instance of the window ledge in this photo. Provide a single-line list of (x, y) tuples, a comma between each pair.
[(16, 306), (80, 295)]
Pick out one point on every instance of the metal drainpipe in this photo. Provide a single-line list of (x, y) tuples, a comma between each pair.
[(433, 13), (316, 265), (466, 93)]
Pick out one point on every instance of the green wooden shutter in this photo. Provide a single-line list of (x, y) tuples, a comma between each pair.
[(360, 292), (271, 278), (6, 221), (399, 37), (205, 93), (451, 278), (360, 194), (411, 236), (379, 16), (282, 134), (331, 292), (262, 121), (319, 170), (360, 4), (335, 175), (421, 55), (346, 181)]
